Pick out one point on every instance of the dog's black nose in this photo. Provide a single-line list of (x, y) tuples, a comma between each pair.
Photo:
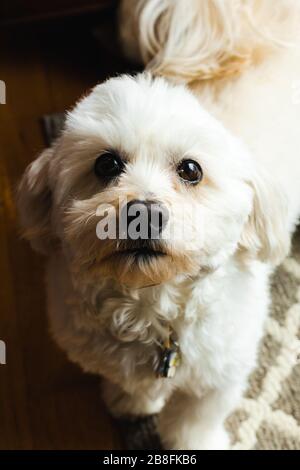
[(145, 219)]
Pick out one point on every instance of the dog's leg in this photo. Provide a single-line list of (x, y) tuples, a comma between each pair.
[(190, 423), (141, 401)]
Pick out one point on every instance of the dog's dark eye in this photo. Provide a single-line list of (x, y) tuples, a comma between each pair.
[(108, 165), (190, 171)]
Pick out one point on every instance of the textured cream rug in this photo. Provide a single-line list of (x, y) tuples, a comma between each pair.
[(269, 415)]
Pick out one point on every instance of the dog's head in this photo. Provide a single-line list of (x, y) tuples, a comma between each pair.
[(144, 185)]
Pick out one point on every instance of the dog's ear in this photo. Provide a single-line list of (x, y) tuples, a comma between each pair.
[(266, 233), (34, 203)]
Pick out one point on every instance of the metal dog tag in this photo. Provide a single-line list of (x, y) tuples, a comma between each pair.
[(170, 359)]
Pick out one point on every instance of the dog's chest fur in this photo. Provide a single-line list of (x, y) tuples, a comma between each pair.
[(118, 334)]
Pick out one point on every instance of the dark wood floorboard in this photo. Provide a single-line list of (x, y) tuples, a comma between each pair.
[(45, 402)]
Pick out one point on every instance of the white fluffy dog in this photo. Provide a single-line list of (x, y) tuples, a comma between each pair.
[(217, 143)]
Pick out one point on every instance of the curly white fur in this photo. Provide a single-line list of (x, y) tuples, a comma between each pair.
[(204, 39), (213, 290)]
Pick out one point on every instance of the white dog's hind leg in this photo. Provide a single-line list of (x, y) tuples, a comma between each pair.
[(192, 423), (140, 402)]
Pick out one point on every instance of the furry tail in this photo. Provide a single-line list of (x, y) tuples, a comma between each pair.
[(203, 39)]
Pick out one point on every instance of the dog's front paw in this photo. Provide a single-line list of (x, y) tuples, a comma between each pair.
[(216, 439)]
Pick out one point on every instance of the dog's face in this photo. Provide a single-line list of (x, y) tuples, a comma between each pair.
[(144, 185)]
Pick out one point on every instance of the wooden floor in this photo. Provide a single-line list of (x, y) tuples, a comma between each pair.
[(45, 402)]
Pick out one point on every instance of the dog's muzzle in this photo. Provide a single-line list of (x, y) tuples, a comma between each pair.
[(143, 220), (141, 226)]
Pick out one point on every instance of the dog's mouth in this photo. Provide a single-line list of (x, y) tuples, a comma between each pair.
[(141, 263), (142, 252), (139, 251)]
